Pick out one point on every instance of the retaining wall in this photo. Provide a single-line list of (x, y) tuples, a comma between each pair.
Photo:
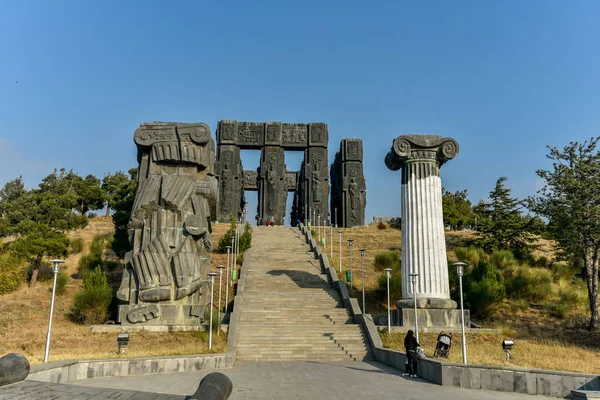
[(470, 376)]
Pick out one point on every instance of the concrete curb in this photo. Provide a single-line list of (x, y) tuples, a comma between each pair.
[(471, 376)]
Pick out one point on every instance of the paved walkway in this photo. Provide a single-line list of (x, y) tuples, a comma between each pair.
[(301, 380)]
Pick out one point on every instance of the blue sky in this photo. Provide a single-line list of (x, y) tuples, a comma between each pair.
[(504, 78)]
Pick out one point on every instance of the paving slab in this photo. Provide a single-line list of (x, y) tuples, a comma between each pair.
[(303, 380)]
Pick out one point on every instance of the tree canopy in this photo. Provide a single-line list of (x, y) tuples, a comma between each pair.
[(458, 211), (570, 200)]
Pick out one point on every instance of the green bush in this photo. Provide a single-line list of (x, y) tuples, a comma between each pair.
[(13, 272), (77, 245), (387, 259), (98, 245), (470, 255), (245, 237), (562, 271), (90, 306), (395, 286), (381, 226), (215, 319), (89, 262), (484, 289), (62, 280), (571, 297), (503, 259), (532, 284)]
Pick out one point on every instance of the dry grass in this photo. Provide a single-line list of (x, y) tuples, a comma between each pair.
[(527, 353), (24, 317)]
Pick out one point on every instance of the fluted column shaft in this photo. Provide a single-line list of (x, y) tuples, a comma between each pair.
[(423, 243)]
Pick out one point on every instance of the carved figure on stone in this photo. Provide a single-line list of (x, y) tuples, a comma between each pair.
[(227, 131), (227, 183), (272, 133), (271, 182), (170, 225)]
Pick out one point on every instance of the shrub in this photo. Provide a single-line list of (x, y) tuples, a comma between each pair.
[(484, 289), (503, 259), (90, 306), (13, 272), (471, 255), (62, 279), (387, 259), (395, 286), (245, 237), (98, 245), (77, 245), (571, 297), (532, 284), (562, 271), (215, 319), (381, 226), (92, 260)]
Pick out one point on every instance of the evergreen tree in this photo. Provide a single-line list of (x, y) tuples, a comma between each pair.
[(502, 226), (570, 201), (122, 203), (113, 186), (90, 194)]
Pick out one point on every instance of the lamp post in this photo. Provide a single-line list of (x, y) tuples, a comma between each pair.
[(414, 277), (330, 240), (350, 241), (340, 260), (388, 272), (212, 291), (460, 270), (319, 226), (362, 262), (305, 215), (55, 270), (227, 281), (232, 260), (219, 311), (314, 216)]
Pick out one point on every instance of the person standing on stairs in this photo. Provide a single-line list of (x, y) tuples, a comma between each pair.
[(411, 345)]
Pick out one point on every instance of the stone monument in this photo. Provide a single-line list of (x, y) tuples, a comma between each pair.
[(272, 180), (165, 277), (348, 185), (423, 242)]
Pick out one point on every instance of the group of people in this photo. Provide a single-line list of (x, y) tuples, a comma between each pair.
[(267, 222)]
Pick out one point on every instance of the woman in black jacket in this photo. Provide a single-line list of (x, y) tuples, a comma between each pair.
[(411, 345)]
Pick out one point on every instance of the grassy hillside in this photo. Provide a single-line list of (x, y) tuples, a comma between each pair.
[(24, 317)]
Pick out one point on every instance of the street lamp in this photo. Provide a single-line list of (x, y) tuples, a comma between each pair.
[(227, 281), (330, 240), (314, 214), (460, 271), (219, 310), (212, 291), (336, 221), (232, 260), (414, 277), (350, 241), (388, 272), (55, 270), (340, 260), (319, 226), (362, 262)]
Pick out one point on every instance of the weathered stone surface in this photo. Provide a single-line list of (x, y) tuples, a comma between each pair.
[(271, 179), (423, 242), (431, 317), (348, 185), (214, 386), (13, 368), (170, 229)]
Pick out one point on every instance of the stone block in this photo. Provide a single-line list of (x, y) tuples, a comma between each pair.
[(567, 384), (542, 385), (520, 382), (474, 377), (429, 317), (531, 382), (497, 383), (465, 377), (13, 368), (163, 314), (508, 381)]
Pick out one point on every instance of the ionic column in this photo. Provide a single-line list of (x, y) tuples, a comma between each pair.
[(423, 241)]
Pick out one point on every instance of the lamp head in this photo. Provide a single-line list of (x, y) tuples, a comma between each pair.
[(212, 276), (221, 267), (508, 344), (414, 277), (362, 252), (388, 272), (56, 265), (460, 267)]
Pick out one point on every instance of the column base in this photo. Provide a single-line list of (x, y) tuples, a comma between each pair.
[(425, 302)]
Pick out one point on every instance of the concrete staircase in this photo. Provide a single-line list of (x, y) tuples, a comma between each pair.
[(289, 310)]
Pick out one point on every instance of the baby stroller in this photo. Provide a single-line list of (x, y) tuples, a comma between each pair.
[(444, 342)]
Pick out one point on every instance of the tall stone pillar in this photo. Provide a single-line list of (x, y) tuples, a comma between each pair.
[(423, 243), (272, 189)]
